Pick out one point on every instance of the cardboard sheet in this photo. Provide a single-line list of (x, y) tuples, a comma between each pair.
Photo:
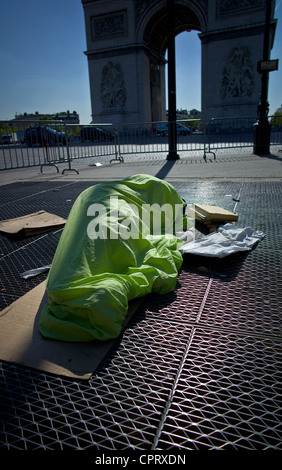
[(212, 213), (31, 224), (21, 343), (211, 216)]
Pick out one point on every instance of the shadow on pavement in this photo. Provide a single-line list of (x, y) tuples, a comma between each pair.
[(162, 173)]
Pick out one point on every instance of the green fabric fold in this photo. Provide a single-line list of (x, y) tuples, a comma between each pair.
[(97, 270)]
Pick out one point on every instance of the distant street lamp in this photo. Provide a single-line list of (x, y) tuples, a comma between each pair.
[(172, 140), (262, 126)]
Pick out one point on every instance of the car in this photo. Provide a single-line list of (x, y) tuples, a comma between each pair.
[(6, 139), (43, 135), (95, 133), (162, 129)]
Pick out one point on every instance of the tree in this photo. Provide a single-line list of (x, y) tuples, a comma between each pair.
[(276, 119), (45, 117), (6, 128), (192, 122)]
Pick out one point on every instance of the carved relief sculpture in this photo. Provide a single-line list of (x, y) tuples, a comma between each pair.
[(108, 25), (229, 7), (238, 74), (113, 91)]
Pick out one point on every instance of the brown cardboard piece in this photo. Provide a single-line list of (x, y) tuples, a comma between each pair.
[(31, 224), (210, 215), (21, 342)]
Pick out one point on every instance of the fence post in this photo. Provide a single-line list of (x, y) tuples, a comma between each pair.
[(204, 156), (46, 159), (68, 154), (117, 147), (209, 143)]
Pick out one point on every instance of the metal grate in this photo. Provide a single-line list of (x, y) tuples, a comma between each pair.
[(198, 368), (249, 301), (227, 395), (30, 255)]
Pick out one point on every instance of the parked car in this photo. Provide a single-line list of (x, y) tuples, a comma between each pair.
[(95, 133), (6, 138), (42, 135), (162, 129)]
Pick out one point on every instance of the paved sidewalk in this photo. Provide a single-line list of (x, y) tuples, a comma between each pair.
[(225, 166)]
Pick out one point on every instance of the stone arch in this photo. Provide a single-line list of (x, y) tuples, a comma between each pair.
[(152, 22), (131, 36), (152, 32)]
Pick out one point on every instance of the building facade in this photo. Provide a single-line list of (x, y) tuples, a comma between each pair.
[(67, 117)]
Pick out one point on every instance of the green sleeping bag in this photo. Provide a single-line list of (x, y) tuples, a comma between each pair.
[(116, 246)]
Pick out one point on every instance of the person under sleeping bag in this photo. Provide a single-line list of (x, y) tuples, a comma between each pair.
[(118, 244)]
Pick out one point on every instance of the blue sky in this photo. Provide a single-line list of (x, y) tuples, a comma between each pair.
[(44, 69)]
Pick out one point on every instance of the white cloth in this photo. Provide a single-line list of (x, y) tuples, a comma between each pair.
[(226, 240)]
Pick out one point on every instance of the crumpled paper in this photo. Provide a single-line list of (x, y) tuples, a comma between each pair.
[(226, 240)]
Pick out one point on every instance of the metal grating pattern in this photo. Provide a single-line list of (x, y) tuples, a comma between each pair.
[(226, 397), (249, 301), (198, 368), (121, 407), (30, 255), (185, 303)]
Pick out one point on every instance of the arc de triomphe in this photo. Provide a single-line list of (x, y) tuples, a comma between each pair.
[(126, 45)]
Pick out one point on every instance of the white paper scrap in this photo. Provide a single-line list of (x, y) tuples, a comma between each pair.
[(226, 240)]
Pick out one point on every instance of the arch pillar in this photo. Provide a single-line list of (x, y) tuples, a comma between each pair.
[(126, 86)]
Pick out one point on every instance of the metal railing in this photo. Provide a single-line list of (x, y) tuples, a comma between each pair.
[(50, 143), (232, 133), (151, 137), (92, 140), (32, 143), (194, 136)]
